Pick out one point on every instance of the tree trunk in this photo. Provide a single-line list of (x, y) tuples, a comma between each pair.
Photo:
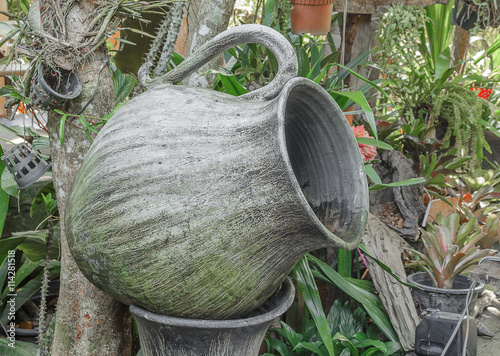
[(88, 321), (211, 19)]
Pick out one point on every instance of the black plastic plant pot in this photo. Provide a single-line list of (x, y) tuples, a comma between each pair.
[(446, 300), (163, 335), (50, 87), (433, 333), (467, 18), (25, 165)]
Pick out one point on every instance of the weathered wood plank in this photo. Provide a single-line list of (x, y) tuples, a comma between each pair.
[(387, 246), (378, 6), (488, 272)]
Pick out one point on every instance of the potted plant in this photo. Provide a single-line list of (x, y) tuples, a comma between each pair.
[(311, 16), (451, 248)]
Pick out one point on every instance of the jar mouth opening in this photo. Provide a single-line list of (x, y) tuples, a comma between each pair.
[(323, 161)]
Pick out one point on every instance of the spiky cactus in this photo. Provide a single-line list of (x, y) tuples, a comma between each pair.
[(162, 47)]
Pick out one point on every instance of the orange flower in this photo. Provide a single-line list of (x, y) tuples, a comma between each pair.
[(467, 198), (368, 152)]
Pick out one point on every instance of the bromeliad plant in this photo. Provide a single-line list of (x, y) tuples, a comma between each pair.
[(451, 248)]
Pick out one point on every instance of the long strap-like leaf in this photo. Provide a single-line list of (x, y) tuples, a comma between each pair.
[(309, 290)]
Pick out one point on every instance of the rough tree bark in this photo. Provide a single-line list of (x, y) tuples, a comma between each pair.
[(88, 321), (211, 17), (386, 245)]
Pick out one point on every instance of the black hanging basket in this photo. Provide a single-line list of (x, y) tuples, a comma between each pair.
[(25, 165), (50, 87), (468, 16)]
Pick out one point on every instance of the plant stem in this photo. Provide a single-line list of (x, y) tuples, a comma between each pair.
[(45, 285)]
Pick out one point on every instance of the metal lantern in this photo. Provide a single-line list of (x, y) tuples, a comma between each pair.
[(25, 165)]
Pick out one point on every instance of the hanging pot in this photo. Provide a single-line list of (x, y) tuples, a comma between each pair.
[(50, 87), (197, 204), (164, 335), (311, 16), (467, 18), (446, 300), (25, 165)]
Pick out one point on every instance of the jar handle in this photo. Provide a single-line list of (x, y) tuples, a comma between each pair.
[(266, 36)]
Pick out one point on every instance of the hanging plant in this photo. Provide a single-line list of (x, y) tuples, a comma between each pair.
[(51, 86), (477, 13)]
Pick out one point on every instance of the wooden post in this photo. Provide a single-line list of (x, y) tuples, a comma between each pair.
[(387, 246)]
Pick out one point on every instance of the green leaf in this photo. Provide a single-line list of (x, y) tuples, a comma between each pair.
[(7, 245), (123, 85), (369, 342), (86, 125), (303, 60), (344, 262), (4, 197), (386, 268), (22, 295), (25, 7), (38, 200), (373, 85), (34, 18), (15, 130), (269, 7), (31, 287), (307, 286), (370, 301), (20, 348), (280, 347), (135, 30), (373, 142), (3, 275), (9, 185), (9, 36), (60, 131), (392, 347), (34, 245), (360, 99), (372, 174), (340, 337), (40, 143), (24, 271), (292, 337), (314, 347), (315, 61), (232, 86), (443, 63), (440, 197), (351, 66), (401, 183)]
